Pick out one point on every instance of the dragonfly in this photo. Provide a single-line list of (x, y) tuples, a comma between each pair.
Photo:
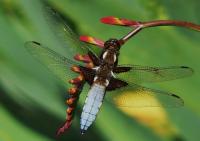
[(101, 71)]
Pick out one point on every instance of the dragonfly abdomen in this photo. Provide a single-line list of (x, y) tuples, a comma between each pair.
[(92, 105)]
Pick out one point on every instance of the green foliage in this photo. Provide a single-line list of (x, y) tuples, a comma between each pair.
[(32, 100)]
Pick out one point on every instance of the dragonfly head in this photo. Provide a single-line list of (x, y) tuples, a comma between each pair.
[(112, 44)]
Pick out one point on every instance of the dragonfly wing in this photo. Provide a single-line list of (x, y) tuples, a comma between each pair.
[(136, 96), (64, 34), (145, 74), (58, 64)]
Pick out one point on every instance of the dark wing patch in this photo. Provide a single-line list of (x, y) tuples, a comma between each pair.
[(88, 74), (121, 69), (94, 58), (115, 84)]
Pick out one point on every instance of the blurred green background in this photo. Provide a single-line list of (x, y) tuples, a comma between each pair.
[(32, 99)]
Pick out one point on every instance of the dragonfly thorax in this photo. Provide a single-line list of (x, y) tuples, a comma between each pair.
[(108, 62)]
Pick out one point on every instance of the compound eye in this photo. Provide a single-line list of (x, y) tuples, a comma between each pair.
[(107, 44), (112, 42)]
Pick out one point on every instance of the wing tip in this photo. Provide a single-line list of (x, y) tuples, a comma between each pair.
[(188, 68), (184, 67), (34, 42), (181, 101), (176, 96), (37, 43)]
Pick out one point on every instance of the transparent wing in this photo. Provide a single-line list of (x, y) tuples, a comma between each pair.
[(58, 64), (64, 35), (144, 74), (136, 96)]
